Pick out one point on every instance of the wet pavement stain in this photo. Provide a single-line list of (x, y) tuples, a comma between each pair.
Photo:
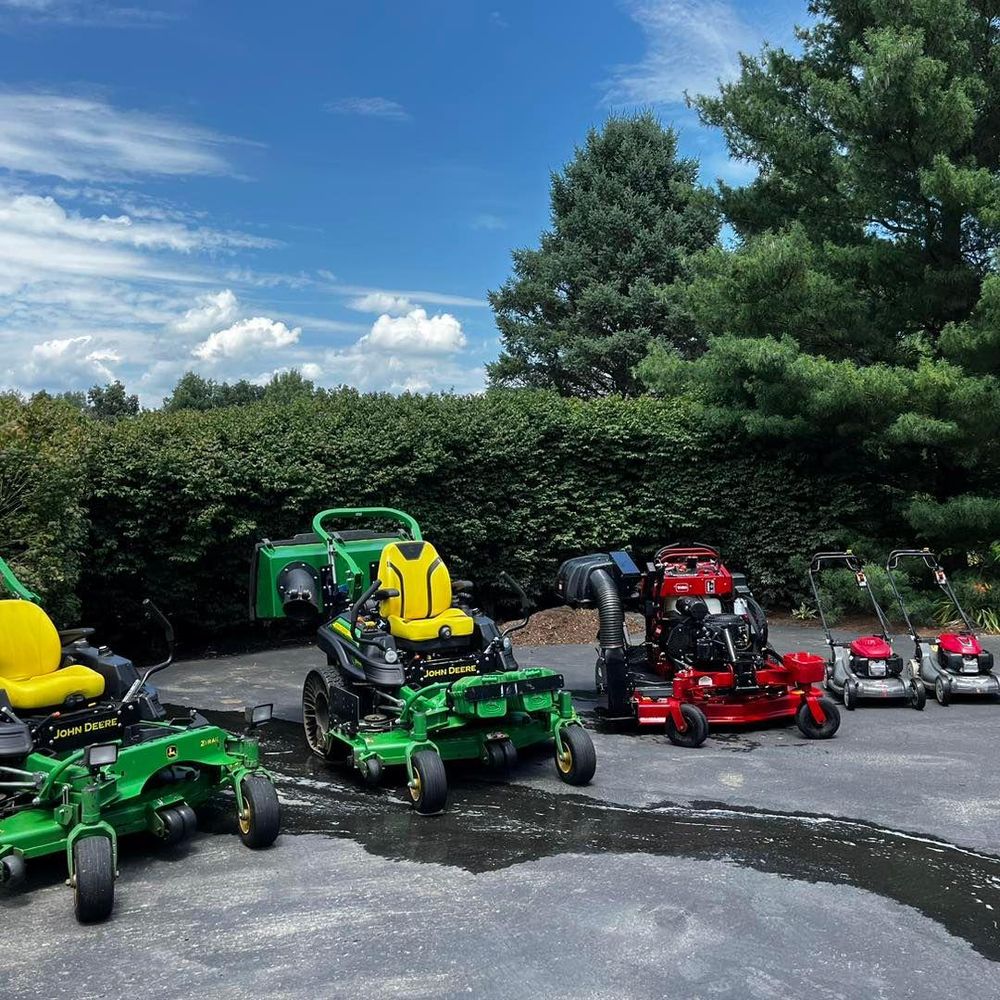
[(492, 824)]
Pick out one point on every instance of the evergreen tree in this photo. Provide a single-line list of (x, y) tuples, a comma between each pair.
[(880, 143), (581, 309)]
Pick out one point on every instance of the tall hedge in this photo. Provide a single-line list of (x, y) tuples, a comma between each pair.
[(46, 447), (513, 480)]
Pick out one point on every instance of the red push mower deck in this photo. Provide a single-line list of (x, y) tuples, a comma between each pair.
[(705, 658)]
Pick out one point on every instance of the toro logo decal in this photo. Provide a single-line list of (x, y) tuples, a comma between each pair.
[(682, 588)]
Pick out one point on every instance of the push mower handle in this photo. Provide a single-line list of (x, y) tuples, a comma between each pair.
[(849, 559), (928, 558)]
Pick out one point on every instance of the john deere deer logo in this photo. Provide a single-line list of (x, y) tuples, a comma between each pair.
[(171, 752)]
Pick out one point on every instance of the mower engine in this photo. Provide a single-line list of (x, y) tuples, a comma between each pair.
[(714, 642)]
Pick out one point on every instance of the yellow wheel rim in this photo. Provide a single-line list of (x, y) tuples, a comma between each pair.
[(245, 819), (415, 786), (564, 760)]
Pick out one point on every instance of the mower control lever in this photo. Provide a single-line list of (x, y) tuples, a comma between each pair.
[(168, 633)]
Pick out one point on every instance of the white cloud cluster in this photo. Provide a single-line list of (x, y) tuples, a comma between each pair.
[(78, 138), (247, 338), (99, 280), (690, 46), (381, 302), (415, 333)]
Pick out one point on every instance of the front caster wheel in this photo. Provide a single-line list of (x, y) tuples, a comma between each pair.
[(695, 730), (93, 879), (814, 730), (179, 823), (260, 819), (371, 772), (501, 756), (429, 787), (942, 691), (851, 695), (577, 762), (918, 696)]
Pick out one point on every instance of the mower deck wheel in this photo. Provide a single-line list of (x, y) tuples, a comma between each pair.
[(429, 787), (371, 772), (578, 761), (918, 695), (94, 881), (179, 823), (260, 819), (814, 730), (942, 691), (12, 870), (696, 727)]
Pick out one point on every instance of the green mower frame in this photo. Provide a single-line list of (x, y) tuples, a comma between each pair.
[(76, 778), (382, 702)]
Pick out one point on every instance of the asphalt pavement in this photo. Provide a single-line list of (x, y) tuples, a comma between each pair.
[(761, 865)]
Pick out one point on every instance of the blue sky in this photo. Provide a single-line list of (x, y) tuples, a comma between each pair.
[(240, 188)]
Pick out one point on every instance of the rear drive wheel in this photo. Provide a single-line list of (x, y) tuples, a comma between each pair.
[(814, 730), (429, 786), (577, 762), (918, 696), (316, 713), (260, 819), (942, 691), (94, 879), (695, 730)]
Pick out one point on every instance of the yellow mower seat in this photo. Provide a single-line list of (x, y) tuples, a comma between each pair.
[(423, 611), (30, 658)]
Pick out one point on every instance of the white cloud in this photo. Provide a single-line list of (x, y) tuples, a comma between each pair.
[(72, 353), (415, 333), (82, 13), (79, 138), (381, 302), (369, 107), (245, 338), (690, 46), (434, 298), (212, 313)]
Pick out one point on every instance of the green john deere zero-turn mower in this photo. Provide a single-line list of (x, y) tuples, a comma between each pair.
[(415, 677), (87, 755)]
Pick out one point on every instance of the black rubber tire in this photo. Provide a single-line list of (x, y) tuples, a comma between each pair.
[(260, 821), (509, 755), (94, 881), (824, 730), (430, 794), (371, 772), (14, 870), (173, 826), (697, 727), (942, 691), (316, 718), (494, 755), (918, 695), (578, 762), (849, 695)]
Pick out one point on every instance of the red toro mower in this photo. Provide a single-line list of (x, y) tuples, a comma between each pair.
[(705, 657)]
